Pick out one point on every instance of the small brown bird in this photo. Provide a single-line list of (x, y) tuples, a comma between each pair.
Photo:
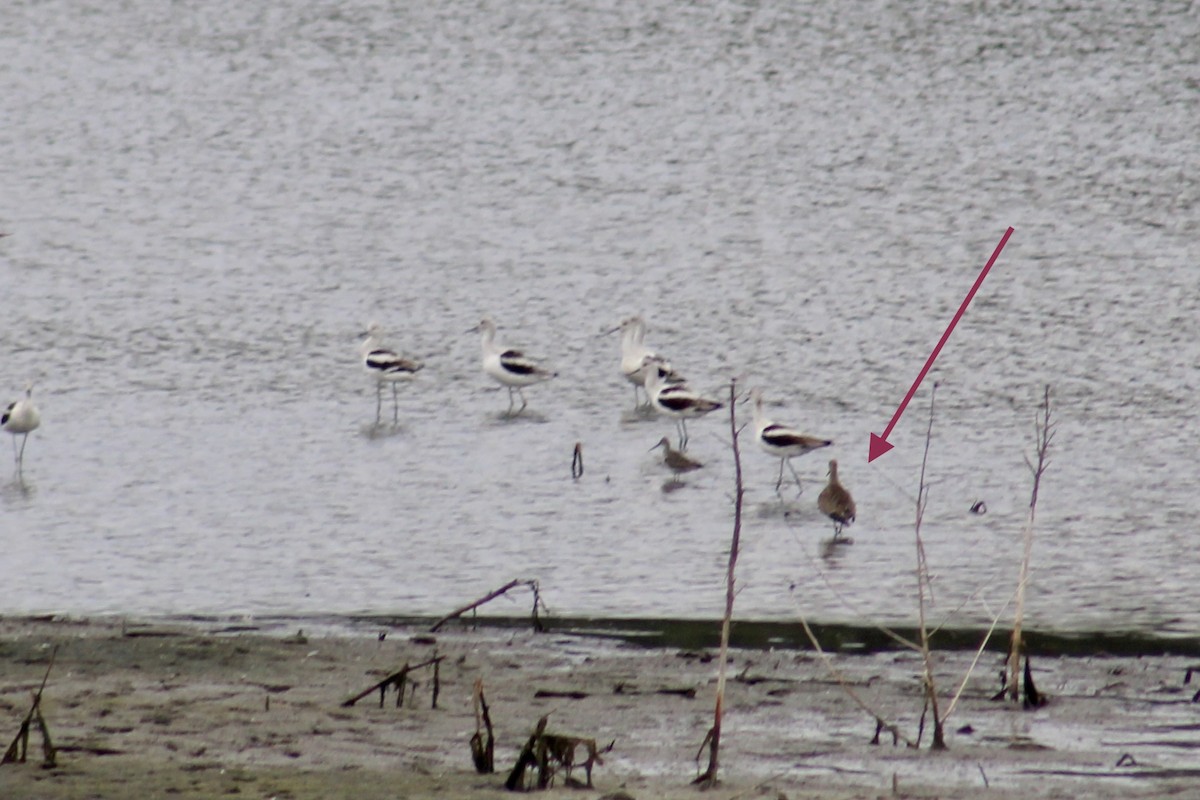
[(676, 460), (836, 503)]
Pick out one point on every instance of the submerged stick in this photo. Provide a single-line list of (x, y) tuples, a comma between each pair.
[(577, 461)]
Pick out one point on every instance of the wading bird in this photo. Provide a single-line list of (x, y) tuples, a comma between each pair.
[(385, 366), (19, 419), (676, 460), (781, 441), (675, 400), (836, 503), (634, 354), (510, 367)]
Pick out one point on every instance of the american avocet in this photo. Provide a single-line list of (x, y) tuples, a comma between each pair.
[(510, 367), (781, 441), (836, 503), (634, 354), (19, 419), (385, 366), (675, 400), (676, 460)]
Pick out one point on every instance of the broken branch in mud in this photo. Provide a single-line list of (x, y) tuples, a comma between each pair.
[(483, 750), (533, 587), (399, 679), (19, 748), (548, 753)]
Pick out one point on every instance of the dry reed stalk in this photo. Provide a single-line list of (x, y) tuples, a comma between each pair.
[(708, 778), (931, 697), (1043, 435)]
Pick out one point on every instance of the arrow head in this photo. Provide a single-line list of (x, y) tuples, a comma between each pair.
[(879, 446)]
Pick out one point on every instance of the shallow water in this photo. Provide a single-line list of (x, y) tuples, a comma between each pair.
[(209, 202)]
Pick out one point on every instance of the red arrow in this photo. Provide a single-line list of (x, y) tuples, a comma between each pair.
[(880, 444)]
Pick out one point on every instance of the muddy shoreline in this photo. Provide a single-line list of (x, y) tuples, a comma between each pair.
[(209, 709)]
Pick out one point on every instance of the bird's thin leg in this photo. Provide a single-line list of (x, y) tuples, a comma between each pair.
[(799, 488), (395, 406), (779, 482), (524, 402), (378, 401), (510, 402), (683, 437), (21, 455)]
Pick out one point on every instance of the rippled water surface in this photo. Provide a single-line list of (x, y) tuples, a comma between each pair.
[(209, 200)]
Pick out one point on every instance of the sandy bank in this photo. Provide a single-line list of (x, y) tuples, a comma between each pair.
[(166, 710)]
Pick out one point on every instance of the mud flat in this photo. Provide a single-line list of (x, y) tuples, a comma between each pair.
[(168, 709)]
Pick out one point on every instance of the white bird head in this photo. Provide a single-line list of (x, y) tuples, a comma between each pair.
[(485, 326)]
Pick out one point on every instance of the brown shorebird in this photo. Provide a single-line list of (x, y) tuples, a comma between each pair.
[(836, 503), (678, 461), (781, 441)]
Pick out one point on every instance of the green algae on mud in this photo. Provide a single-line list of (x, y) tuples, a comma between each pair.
[(834, 637)]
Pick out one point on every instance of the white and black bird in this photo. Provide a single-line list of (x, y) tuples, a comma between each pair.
[(512, 368), (20, 418), (634, 354), (385, 366), (836, 503), (781, 441), (675, 400)]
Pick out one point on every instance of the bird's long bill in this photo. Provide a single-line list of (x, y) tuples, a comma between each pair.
[(608, 332)]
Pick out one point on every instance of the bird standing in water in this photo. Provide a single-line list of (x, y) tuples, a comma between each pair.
[(836, 503), (675, 400), (385, 366), (510, 367), (634, 354), (676, 460), (19, 419), (781, 441)]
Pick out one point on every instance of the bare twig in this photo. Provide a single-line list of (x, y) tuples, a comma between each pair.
[(923, 585), (1043, 430), (533, 586), (483, 750), (397, 679), (974, 662), (708, 778), (16, 751), (880, 722)]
